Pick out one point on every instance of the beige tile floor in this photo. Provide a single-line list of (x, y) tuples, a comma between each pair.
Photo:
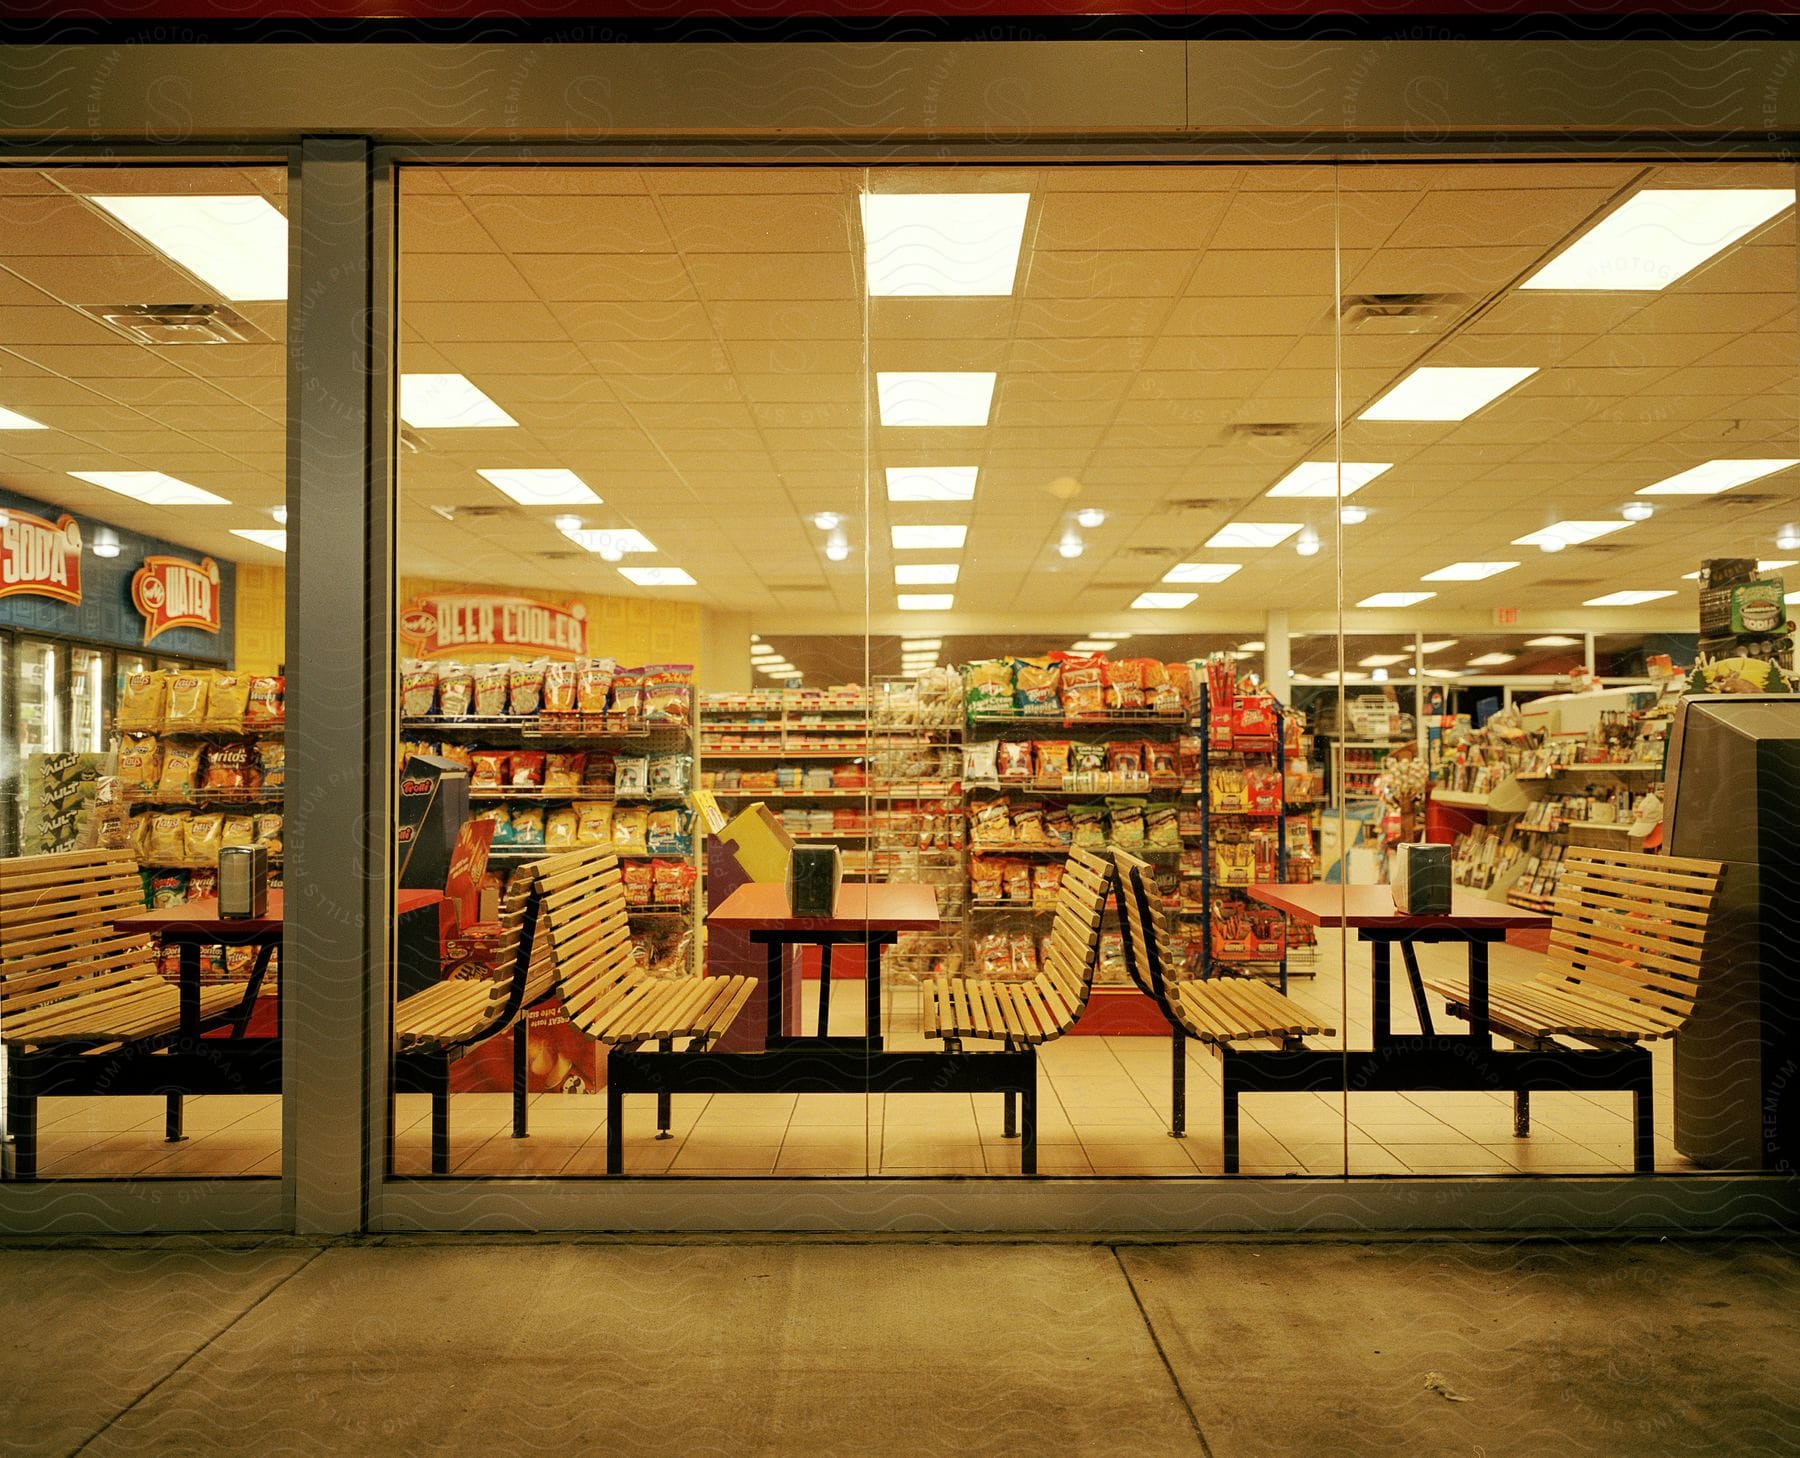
[(1102, 1110)]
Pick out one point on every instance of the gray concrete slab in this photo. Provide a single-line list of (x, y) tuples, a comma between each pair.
[(85, 1333), (1582, 1351), (689, 1350)]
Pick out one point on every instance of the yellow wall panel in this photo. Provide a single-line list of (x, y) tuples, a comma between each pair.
[(261, 645)]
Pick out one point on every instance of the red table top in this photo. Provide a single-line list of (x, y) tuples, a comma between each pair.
[(763, 906), (1320, 904), (198, 919)]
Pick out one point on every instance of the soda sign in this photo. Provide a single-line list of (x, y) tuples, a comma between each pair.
[(39, 557), (441, 625), (171, 592)]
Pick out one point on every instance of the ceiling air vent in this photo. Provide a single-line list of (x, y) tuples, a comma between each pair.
[(1200, 503), (474, 513), (1145, 552), (1741, 500), (555, 556), (1269, 430), (1400, 313), (177, 323)]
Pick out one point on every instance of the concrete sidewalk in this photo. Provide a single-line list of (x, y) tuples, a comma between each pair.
[(799, 1347)]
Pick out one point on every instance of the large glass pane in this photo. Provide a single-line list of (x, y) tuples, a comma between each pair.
[(142, 495)]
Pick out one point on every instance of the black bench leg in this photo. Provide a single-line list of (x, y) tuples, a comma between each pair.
[(1230, 1116), (440, 1119), (1521, 1113), (521, 1080), (666, 1045), (615, 1127), (22, 1106), (172, 1118), (1009, 1126), (1028, 1121), (1644, 1128), (1177, 1083)]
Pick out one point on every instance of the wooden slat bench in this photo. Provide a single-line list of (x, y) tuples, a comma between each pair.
[(607, 995), (1628, 933), (1220, 1011), (1022, 1014), (79, 999), (438, 1024)]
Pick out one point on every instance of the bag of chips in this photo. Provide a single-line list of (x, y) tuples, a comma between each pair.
[(525, 769), (559, 829), (239, 830), (227, 701), (455, 691), (140, 701), (204, 834), (666, 832), (1125, 757), (1084, 687), (1037, 687), (418, 689), (1051, 760), (631, 775), (1024, 955), (1015, 759), (266, 704), (1162, 827), (630, 828), (593, 684), (669, 692), (184, 699), (525, 689), (489, 769), (559, 688), (563, 771), (670, 774), (1018, 881), (491, 681), (268, 831), (1127, 823), (180, 769), (981, 762), (984, 878), (990, 823), (1028, 826), (140, 763), (1125, 684), (1089, 826), (1163, 761), (674, 883), (271, 761), (458, 754), (528, 825), (202, 884), (503, 827), (628, 692), (990, 686), (168, 888), (639, 881), (231, 766), (593, 822)]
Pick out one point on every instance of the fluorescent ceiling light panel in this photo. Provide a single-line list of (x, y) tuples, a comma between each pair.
[(1093, 645), (448, 402), (931, 483), (1491, 660), (1255, 645), (1382, 660), (942, 244), (237, 245), (264, 537), (1553, 640), (152, 488), (1201, 571), (1395, 599), (1437, 645), (940, 398), (552, 486), (618, 539), (656, 576), (909, 644), (1320, 478), (12, 420), (921, 538), (1774, 564), (925, 602), (1715, 476), (1468, 571), (1163, 600), (1627, 598), (1438, 392), (1659, 235), (1443, 673), (925, 574), (1570, 533), (1253, 534)]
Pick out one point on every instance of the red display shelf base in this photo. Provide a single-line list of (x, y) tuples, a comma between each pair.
[(1121, 1013)]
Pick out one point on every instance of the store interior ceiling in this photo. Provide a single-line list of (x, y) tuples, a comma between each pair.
[(697, 346)]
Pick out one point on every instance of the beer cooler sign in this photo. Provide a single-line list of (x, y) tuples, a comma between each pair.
[(172, 592), (445, 624), (39, 557)]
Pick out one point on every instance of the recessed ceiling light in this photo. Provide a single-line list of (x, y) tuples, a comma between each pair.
[(1468, 571), (1553, 640), (925, 602), (1379, 675), (1093, 645), (1321, 478), (837, 548), (1637, 511), (1307, 543), (12, 420), (1492, 660), (942, 244), (103, 543), (827, 521), (656, 576), (1382, 660), (935, 398), (448, 402), (263, 536), (1163, 600), (1657, 236), (279, 513), (931, 483), (1255, 645), (610, 543), (1787, 539), (1253, 534), (238, 244), (921, 538), (152, 488), (1437, 392), (1353, 515), (551, 486), (1071, 545), (1201, 571), (1395, 599), (1769, 564), (924, 574), (1715, 476), (1627, 598), (566, 523), (1568, 534), (1090, 517), (1437, 645)]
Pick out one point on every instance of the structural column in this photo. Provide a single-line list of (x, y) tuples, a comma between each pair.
[(1275, 654)]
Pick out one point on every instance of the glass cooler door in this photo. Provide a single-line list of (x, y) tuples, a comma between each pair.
[(87, 699)]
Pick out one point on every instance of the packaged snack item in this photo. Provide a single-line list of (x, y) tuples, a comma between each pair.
[(981, 762), (674, 881), (1089, 825), (1084, 686), (525, 689), (271, 763), (1160, 695), (140, 701), (631, 774), (628, 692), (226, 700), (667, 833), (1124, 684), (639, 880), (1127, 818), (231, 766), (1015, 759), (993, 955), (502, 818), (670, 774), (1163, 761), (202, 884), (239, 830), (668, 692), (455, 691), (990, 688), (1028, 826), (1052, 760), (1162, 827), (204, 832), (268, 831), (525, 769), (1017, 876), (184, 699), (527, 825), (1088, 759), (559, 829), (1036, 686), (140, 762), (1058, 826), (266, 704), (418, 689), (559, 688), (593, 822), (990, 823), (593, 684), (488, 769), (491, 682), (984, 878), (180, 769), (457, 754), (630, 828), (1024, 955), (1125, 757), (1046, 883), (563, 771), (168, 888)]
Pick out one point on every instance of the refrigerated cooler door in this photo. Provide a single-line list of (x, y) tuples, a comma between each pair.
[(87, 699)]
